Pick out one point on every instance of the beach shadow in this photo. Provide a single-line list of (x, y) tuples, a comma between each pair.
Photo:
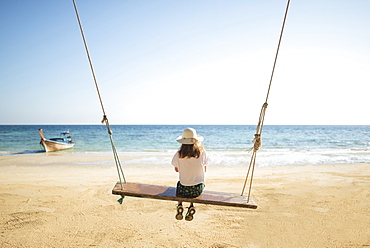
[(28, 152)]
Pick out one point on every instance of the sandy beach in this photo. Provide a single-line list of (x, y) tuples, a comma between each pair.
[(49, 201)]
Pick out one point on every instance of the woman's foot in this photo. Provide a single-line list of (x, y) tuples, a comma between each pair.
[(180, 209), (190, 213)]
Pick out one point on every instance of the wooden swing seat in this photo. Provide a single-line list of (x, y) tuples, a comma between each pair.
[(169, 193)]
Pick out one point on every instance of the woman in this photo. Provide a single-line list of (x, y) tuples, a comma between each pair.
[(190, 162)]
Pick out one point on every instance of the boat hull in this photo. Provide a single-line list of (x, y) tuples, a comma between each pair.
[(51, 146)]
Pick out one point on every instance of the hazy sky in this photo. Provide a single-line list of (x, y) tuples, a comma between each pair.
[(185, 62)]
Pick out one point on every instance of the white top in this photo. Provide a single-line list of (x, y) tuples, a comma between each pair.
[(191, 170)]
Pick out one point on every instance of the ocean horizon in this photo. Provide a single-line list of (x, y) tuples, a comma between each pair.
[(226, 144)]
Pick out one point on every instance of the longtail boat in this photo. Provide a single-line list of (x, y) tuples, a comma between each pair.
[(54, 144)]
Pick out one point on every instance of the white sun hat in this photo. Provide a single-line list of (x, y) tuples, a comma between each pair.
[(189, 136)]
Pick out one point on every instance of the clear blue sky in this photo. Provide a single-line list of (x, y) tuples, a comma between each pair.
[(185, 62)]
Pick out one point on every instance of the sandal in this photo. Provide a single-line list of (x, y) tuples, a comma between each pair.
[(190, 213), (180, 209)]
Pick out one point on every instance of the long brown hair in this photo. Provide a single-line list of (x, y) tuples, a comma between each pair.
[(190, 151)]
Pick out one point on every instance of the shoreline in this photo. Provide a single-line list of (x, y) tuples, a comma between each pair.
[(54, 203), (237, 158)]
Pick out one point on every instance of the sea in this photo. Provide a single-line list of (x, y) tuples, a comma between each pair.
[(227, 145)]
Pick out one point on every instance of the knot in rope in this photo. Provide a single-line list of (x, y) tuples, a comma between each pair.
[(104, 119), (257, 142)]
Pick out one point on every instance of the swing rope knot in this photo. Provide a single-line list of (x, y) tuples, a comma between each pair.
[(257, 142), (104, 119)]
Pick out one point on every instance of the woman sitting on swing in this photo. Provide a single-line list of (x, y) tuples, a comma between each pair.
[(190, 162)]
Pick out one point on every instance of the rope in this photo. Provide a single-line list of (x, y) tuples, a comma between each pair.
[(105, 118), (258, 135)]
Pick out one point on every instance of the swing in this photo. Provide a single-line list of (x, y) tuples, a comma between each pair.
[(132, 189), (169, 193)]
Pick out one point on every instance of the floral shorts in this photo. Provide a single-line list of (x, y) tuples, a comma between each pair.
[(189, 191)]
